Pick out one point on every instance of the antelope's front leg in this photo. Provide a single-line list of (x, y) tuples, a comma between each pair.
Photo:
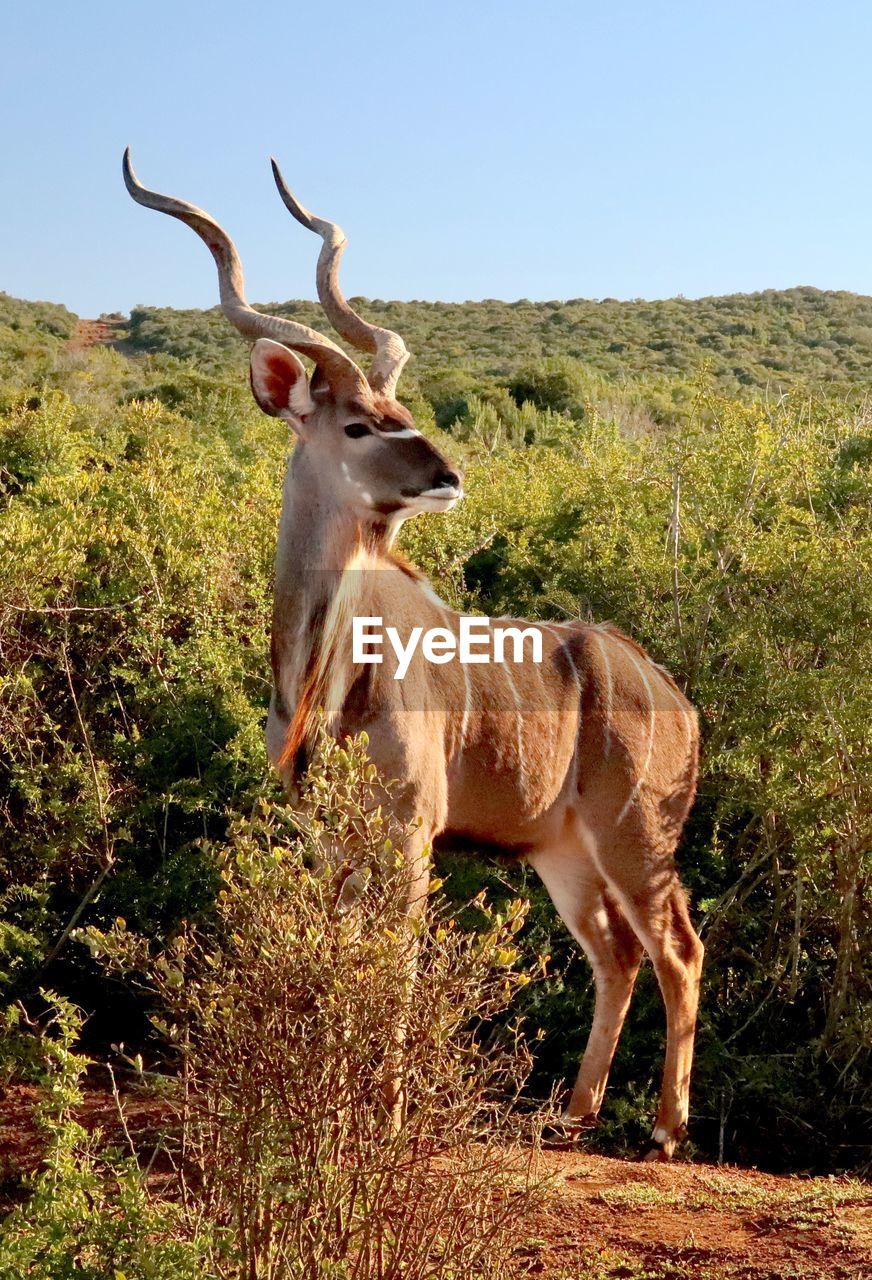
[(416, 850)]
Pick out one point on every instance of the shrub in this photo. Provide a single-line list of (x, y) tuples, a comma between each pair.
[(89, 1214), (282, 1012)]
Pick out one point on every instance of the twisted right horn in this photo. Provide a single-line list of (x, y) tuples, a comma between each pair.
[(389, 351)]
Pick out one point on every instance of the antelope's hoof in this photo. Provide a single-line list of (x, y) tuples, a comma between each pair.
[(567, 1130), (577, 1123), (663, 1144), (658, 1153)]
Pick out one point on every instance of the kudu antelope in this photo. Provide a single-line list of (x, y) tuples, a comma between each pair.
[(584, 764)]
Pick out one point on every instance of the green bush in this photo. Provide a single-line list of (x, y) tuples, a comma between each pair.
[(130, 716), (89, 1214), (138, 506), (729, 547)]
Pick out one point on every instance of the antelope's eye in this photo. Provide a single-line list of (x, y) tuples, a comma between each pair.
[(357, 429)]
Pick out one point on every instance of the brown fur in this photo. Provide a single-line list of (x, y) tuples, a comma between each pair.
[(591, 781)]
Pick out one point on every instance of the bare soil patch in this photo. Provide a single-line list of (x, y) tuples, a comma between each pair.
[(614, 1218), (93, 333)]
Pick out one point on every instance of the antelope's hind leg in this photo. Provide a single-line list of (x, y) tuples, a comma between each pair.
[(637, 863), (676, 953), (598, 924)]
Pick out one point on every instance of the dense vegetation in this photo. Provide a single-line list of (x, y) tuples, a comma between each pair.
[(632, 461), (770, 340), (277, 1163)]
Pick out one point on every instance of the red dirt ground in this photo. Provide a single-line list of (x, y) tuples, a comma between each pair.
[(92, 333), (682, 1220), (600, 1218)]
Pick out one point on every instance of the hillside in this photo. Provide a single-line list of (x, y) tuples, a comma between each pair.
[(31, 331), (755, 340), (773, 339)]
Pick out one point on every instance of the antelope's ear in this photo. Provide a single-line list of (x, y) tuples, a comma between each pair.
[(279, 382)]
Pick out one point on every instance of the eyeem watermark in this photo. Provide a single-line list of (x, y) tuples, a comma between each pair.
[(479, 640)]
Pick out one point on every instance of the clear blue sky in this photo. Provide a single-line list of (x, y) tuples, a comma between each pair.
[(470, 149)]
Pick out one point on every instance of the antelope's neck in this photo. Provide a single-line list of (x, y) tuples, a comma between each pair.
[(320, 546)]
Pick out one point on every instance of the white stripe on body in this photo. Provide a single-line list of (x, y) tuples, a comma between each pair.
[(467, 706), (631, 798), (563, 645), (519, 723), (686, 716), (609, 694), (467, 687)]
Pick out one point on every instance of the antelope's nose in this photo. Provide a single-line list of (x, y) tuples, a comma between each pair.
[(448, 480)]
